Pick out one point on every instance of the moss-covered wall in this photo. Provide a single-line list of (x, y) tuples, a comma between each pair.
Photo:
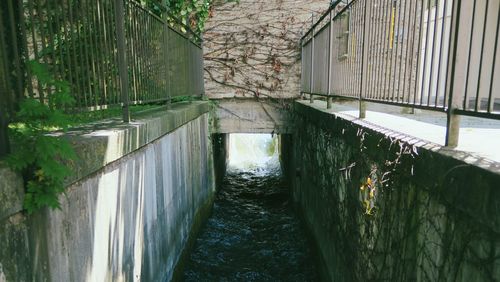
[(381, 209)]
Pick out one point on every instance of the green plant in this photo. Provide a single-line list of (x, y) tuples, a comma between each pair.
[(38, 155)]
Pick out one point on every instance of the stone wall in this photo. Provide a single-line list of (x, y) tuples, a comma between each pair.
[(128, 221), (384, 207), (251, 47)]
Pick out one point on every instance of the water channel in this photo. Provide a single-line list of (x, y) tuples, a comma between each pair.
[(253, 233)]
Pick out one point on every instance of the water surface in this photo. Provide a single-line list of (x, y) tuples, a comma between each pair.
[(253, 233)]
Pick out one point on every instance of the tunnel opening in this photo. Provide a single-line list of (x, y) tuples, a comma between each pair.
[(253, 233)]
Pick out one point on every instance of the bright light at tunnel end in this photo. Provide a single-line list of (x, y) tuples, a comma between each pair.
[(253, 151)]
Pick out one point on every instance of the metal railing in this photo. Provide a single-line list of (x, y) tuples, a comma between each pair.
[(437, 55), (111, 52)]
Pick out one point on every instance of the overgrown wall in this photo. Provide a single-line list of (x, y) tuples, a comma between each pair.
[(434, 215), (127, 221), (251, 47)]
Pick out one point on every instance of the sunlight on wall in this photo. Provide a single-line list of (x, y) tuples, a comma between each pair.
[(251, 151)]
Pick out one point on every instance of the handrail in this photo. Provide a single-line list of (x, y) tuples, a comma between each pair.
[(330, 8), (389, 65)]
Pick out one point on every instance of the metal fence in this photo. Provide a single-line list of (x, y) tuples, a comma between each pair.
[(433, 54), (84, 42)]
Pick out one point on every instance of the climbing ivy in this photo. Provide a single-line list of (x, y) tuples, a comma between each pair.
[(193, 13), (39, 155)]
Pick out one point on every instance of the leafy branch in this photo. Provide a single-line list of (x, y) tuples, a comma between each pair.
[(38, 155)]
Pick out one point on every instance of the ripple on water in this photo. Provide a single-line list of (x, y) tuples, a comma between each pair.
[(252, 235)]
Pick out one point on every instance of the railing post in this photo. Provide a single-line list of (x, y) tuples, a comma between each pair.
[(4, 137), (5, 101), (456, 79), (122, 58), (311, 97), (364, 60), (329, 82)]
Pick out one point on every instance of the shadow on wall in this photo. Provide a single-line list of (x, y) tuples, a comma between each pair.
[(131, 220)]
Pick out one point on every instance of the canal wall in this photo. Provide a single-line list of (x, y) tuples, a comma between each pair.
[(138, 194), (382, 206)]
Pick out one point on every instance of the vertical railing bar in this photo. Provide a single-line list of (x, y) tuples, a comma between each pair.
[(399, 51), (426, 53), (149, 91), (379, 35), (167, 63), (311, 97), (453, 120), (356, 40), (114, 41), (94, 98), (409, 46), (445, 10), (401, 71), (25, 37), (419, 80), (8, 98), (44, 44), (434, 35), (394, 56), (67, 48), (392, 29), (97, 54), (36, 54), (16, 51), (386, 50), (350, 52), (122, 58), (465, 102), (481, 57), (137, 51), (57, 36), (88, 44), (5, 101), (148, 39), (364, 60), (85, 68), (103, 53), (414, 57), (347, 61), (55, 67), (132, 48), (77, 87), (490, 94), (144, 73), (110, 51)]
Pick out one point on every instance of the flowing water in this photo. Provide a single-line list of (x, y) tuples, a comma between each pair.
[(253, 233)]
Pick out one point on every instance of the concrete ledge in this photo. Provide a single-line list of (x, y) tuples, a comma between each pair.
[(92, 142), (101, 143), (463, 181)]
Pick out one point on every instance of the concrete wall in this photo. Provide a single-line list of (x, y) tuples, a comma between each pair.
[(129, 220), (434, 214), (221, 156), (251, 47), (253, 116)]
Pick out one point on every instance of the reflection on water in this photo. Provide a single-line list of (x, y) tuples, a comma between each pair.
[(253, 234)]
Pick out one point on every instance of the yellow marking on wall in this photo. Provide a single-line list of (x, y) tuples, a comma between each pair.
[(353, 52), (391, 35)]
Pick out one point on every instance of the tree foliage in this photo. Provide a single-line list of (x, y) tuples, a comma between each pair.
[(192, 13), (38, 154)]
